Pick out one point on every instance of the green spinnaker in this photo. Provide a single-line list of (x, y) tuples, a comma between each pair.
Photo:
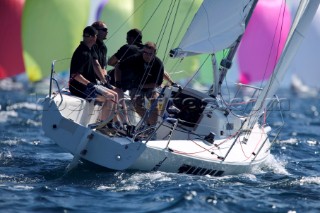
[(51, 30)]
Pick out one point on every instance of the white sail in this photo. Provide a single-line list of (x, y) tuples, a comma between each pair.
[(305, 66), (304, 16), (216, 26)]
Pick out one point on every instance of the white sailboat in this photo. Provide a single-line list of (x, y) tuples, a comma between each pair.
[(207, 137)]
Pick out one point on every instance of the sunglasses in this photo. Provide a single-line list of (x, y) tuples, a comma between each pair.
[(104, 29), (87, 36), (147, 53)]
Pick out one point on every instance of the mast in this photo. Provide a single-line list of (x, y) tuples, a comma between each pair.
[(227, 62), (214, 88), (305, 14)]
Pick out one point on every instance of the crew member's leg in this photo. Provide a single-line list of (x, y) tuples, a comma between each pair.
[(154, 112)]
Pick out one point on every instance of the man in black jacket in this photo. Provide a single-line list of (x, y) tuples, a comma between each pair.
[(146, 71)]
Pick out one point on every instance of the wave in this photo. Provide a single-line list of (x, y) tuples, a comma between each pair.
[(25, 105), (309, 180), (21, 188), (4, 115), (276, 165)]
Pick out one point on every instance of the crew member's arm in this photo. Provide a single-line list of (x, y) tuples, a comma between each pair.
[(113, 61), (150, 85), (117, 75), (78, 77), (99, 71), (167, 77), (158, 79)]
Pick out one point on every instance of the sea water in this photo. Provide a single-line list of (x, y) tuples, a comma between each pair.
[(33, 177)]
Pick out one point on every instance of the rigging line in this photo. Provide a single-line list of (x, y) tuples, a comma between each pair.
[(121, 25), (182, 25), (196, 152), (273, 41), (145, 25), (196, 73), (144, 78), (174, 66), (172, 27), (272, 78), (165, 23)]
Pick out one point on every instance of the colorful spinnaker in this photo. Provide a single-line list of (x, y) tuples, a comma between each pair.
[(11, 61), (51, 30), (263, 40)]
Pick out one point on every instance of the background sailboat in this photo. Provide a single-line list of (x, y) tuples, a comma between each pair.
[(304, 71)]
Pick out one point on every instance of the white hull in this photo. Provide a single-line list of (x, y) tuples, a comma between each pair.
[(205, 137), (183, 154)]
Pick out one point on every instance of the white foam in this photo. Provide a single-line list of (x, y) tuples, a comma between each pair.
[(10, 142), (312, 143), (4, 176), (290, 141), (54, 156), (276, 165), (151, 177), (251, 177), (102, 188), (8, 84), (34, 123), (4, 115), (310, 180), (6, 154), (25, 105), (21, 188), (134, 182)]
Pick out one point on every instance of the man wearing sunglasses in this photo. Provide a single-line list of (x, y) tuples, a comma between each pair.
[(101, 50), (146, 71)]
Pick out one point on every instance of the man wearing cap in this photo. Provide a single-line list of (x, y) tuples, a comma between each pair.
[(84, 72), (134, 44)]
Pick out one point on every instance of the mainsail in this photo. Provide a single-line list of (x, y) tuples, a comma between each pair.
[(212, 30)]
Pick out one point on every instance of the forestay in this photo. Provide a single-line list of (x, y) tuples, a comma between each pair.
[(216, 26)]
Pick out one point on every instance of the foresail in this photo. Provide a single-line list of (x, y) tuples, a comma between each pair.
[(305, 14), (216, 26)]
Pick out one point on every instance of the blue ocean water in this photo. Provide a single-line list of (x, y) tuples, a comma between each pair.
[(33, 177)]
